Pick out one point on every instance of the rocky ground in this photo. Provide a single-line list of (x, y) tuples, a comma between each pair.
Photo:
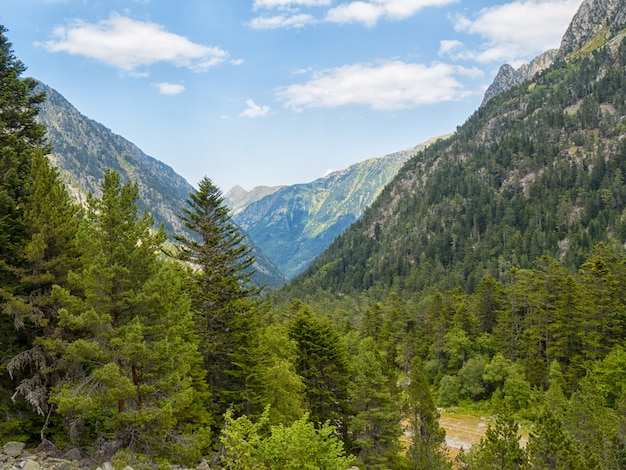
[(13, 455), (47, 456)]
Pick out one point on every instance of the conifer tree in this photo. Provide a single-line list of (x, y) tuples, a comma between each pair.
[(129, 348), (20, 138), (322, 362), (50, 253), (223, 298), (275, 382), (375, 428), (427, 444), (549, 446), (499, 448)]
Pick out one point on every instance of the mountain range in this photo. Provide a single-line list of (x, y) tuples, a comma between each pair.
[(537, 170), (293, 224), (83, 149), (290, 226)]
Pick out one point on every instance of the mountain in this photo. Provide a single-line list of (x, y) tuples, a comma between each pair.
[(538, 169), (593, 23), (294, 224), (83, 149), (508, 77), (238, 198)]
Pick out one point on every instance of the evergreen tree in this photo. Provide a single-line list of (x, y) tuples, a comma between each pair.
[(128, 348), (603, 314), (375, 428), (500, 448), (275, 381), (427, 444), (20, 139), (549, 446), (322, 362), (223, 298), (52, 223), (20, 136)]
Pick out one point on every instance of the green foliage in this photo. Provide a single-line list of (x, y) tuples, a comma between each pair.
[(427, 443), (31, 246), (500, 448), (375, 427), (596, 428), (128, 347), (223, 298), (322, 362), (471, 378), (249, 445), (275, 380), (549, 446), (449, 390)]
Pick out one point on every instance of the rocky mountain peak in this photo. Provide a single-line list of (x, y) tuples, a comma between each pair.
[(595, 22), (508, 77), (595, 19)]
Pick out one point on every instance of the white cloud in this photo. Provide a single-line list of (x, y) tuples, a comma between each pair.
[(127, 44), (281, 21), (516, 31), (254, 110), (288, 4), (170, 88), (386, 86), (446, 46), (370, 11)]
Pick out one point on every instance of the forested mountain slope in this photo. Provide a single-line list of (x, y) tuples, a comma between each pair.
[(538, 170), (83, 149), (294, 224)]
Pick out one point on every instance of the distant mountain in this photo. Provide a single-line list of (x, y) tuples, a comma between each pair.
[(537, 170), (238, 198), (83, 149), (294, 224), (508, 77)]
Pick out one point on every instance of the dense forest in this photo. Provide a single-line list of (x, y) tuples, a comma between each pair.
[(501, 292)]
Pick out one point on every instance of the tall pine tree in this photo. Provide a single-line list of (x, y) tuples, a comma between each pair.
[(20, 139), (128, 345), (223, 298)]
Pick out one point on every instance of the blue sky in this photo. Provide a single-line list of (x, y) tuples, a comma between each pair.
[(271, 92)]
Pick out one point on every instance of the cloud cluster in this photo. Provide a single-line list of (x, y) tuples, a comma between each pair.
[(254, 110), (289, 4), (282, 21), (367, 12), (170, 88), (128, 44), (389, 85), (514, 31)]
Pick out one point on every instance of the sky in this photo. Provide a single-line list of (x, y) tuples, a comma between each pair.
[(276, 92)]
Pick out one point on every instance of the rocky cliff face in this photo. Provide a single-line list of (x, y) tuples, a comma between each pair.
[(508, 77), (83, 149), (596, 20)]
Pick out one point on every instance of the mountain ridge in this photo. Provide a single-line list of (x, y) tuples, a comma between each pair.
[(84, 148), (537, 170), (294, 224)]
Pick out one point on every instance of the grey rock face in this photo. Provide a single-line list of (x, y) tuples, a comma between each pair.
[(508, 77), (591, 18)]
